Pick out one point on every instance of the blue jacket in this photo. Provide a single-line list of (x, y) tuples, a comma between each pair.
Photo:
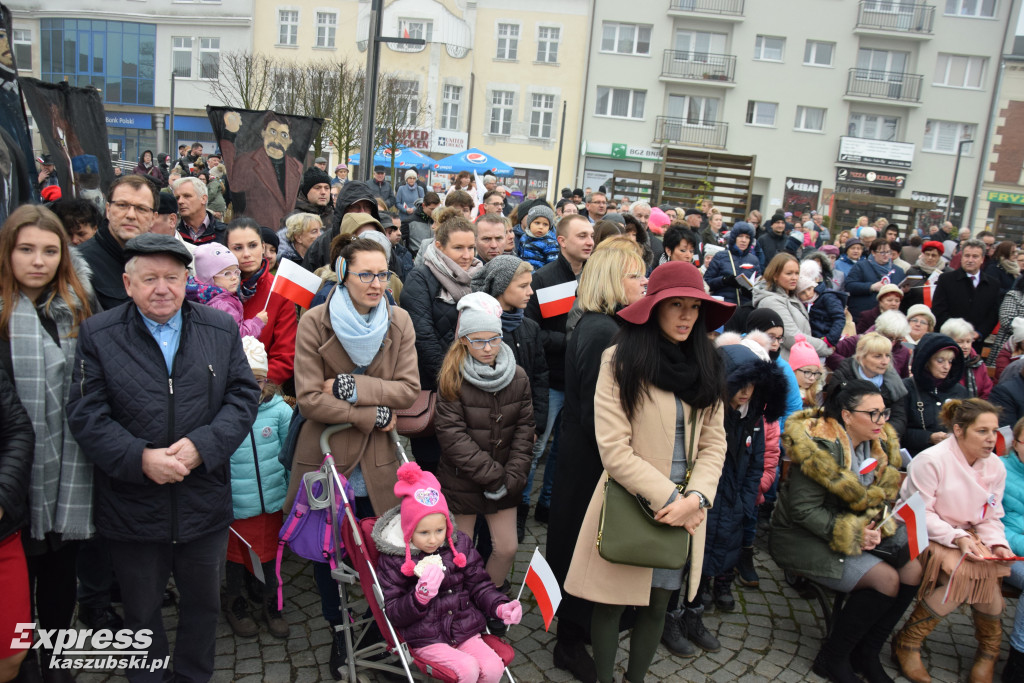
[(538, 251), (259, 482), (866, 273), (1013, 503), (733, 261), (828, 314), (407, 195), (844, 264), (794, 401)]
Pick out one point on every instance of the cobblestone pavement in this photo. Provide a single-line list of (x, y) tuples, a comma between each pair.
[(772, 636)]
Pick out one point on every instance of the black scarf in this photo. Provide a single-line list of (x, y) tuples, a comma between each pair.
[(510, 322), (676, 373), (247, 287)]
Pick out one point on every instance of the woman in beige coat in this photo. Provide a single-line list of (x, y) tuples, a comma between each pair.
[(355, 361), (648, 403)]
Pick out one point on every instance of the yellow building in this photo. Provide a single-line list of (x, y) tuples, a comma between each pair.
[(492, 75)]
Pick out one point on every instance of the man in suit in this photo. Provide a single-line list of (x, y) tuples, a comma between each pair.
[(968, 293)]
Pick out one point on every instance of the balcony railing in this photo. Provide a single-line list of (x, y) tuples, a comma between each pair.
[(884, 85), (670, 130), (892, 15), (706, 66), (725, 7)]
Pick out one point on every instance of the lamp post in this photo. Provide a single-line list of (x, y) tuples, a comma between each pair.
[(956, 170)]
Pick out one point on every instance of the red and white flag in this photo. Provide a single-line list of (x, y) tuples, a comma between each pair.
[(557, 299), (912, 512), (544, 585), (868, 466), (251, 559), (295, 283), (1004, 441)]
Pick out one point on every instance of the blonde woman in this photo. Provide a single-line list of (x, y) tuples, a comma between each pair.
[(299, 232)]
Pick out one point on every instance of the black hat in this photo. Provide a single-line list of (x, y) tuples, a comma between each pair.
[(313, 176), (270, 237), (380, 169), (577, 192), (168, 204), (763, 319), (693, 212), (47, 160), (151, 243), (777, 217)]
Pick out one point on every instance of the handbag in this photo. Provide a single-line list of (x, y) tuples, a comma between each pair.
[(418, 419), (628, 533), (895, 549)]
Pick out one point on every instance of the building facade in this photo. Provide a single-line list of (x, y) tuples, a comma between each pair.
[(1001, 202)]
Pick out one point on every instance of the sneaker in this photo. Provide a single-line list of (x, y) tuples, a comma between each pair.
[(276, 624), (696, 632), (723, 593), (673, 636), (98, 618), (747, 574), (241, 622), (576, 660)]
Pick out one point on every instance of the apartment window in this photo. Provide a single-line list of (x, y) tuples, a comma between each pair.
[(22, 47), (971, 8), (769, 48), (881, 65), (810, 119), (326, 28), (626, 39), (288, 27), (450, 104), (181, 56), (697, 46), (547, 44), (414, 28), (695, 111), (501, 112), (944, 136), (209, 58), (818, 53), (959, 71), (508, 41), (873, 127), (761, 113), (620, 102), (542, 113), (408, 102)]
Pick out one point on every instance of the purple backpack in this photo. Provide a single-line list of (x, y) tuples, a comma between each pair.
[(309, 529)]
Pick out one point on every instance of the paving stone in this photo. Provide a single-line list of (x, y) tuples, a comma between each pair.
[(278, 671)]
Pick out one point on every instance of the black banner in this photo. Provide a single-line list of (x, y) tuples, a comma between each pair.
[(16, 168), (73, 126), (264, 153)]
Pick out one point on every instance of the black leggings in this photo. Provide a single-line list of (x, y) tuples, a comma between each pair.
[(53, 585), (643, 642)]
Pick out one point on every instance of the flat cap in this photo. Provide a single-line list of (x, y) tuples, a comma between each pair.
[(151, 244)]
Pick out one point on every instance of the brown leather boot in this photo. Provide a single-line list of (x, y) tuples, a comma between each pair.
[(906, 645), (988, 630)]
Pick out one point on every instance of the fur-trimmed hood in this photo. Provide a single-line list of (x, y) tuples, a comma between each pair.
[(744, 367), (387, 534)]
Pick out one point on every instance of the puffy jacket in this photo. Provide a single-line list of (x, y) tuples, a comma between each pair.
[(925, 396), (529, 352), (794, 318), (769, 245), (123, 401), (319, 253), (106, 260), (1009, 396), (215, 194), (844, 264), (893, 391), (486, 442), (434, 320), (732, 261), (538, 251), (259, 482), (465, 599), (17, 444), (1013, 502), (552, 329), (860, 279), (827, 314)]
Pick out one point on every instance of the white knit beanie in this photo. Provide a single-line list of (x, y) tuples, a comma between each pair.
[(256, 354)]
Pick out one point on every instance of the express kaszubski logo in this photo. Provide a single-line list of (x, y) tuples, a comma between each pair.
[(88, 649)]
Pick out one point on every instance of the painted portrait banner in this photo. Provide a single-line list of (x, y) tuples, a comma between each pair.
[(16, 167), (73, 127), (264, 154)]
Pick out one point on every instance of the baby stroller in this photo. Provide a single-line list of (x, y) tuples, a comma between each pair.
[(362, 556)]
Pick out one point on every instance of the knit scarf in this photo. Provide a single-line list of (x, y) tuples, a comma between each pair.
[(928, 270), (1010, 266), (360, 338), (61, 484), (487, 378), (248, 286), (970, 382), (455, 282), (201, 292), (510, 322), (676, 373)]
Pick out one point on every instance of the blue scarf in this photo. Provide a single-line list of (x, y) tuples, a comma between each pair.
[(360, 338), (876, 380), (510, 322)]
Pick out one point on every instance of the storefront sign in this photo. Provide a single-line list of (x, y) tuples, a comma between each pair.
[(876, 152), (415, 138), (123, 120), (448, 142), (1005, 197), (189, 124), (864, 177), (801, 195), (619, 150)]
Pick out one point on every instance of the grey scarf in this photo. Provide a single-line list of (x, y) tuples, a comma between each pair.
[(455, 282), (489, 379), (60, 491)]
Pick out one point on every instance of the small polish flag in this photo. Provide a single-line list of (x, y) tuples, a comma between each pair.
[(295, 283), (252, 560), (912, 512), (868, 466), (557, 299), (1004, 441), (544, 585)]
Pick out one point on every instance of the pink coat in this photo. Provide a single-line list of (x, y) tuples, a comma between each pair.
[(230, 304), (958, 496), (771, 458)]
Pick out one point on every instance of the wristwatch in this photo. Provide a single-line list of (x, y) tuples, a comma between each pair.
[(704, 504)]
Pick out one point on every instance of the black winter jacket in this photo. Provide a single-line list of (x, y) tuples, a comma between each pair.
[(769, 245), (925, 396), (106, 260), (17, 445), (552, 330), (893, 392), (123, 401), (956, 297), (434, 320), (1008, 395), (216, 231), (828, 314), (319, 253), (528, 350)]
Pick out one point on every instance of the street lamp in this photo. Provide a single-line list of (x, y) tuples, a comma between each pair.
[(956, 169)]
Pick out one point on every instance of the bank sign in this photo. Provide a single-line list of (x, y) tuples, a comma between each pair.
[(620, 150)]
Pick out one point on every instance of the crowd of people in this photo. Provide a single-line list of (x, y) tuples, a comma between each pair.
[(160, 398)]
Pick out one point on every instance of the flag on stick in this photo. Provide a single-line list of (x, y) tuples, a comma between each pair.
[(544, 585), (294, 283), (912, 512), (252, 560)]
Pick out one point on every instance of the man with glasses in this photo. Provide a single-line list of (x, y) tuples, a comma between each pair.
[(869, 275), (494, 202), (597, 206), (969, 293)]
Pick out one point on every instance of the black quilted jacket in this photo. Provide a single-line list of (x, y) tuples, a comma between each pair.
[(434, 320), (552, 330), (122, 401), (17, 441)]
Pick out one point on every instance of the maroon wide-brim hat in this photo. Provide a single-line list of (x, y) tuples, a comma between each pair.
[(677, 278)]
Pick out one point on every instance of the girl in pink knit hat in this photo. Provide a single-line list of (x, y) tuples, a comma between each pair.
[(810, 376)]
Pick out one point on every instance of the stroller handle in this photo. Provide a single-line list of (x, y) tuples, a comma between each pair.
[(325, 436)]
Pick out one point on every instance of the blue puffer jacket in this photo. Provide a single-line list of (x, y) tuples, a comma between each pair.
[(538, 251), (844, 264), (259, 483), (866, 273), (828, 314), (1013, 503), (733, 261)]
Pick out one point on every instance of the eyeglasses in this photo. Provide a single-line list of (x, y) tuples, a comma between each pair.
[(775, 339), (877, 416), (812, 374), (367, 278), (483, 343), (917, 321), (229, 273), (123, 207)]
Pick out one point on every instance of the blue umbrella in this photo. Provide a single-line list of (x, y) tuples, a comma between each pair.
[(404, 158), (473, 160)]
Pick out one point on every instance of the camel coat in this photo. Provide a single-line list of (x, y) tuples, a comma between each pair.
[(638, 455), (391, 380)]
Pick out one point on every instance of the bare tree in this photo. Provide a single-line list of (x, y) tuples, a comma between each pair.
[(400, 107), (245, 80), (345, 118), (289, 86), (320, 79)]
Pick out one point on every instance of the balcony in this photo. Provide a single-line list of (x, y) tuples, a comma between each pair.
[(669, 130), (727, 10), (707, 67), (891, 86), (888, 17)]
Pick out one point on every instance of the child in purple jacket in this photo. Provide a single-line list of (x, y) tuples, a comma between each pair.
[(439, 602), (216, 284)]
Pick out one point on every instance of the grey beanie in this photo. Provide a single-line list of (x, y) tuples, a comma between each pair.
[(614, 217), (539, 210), (478, 312), (495, 277), (380, 238)]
